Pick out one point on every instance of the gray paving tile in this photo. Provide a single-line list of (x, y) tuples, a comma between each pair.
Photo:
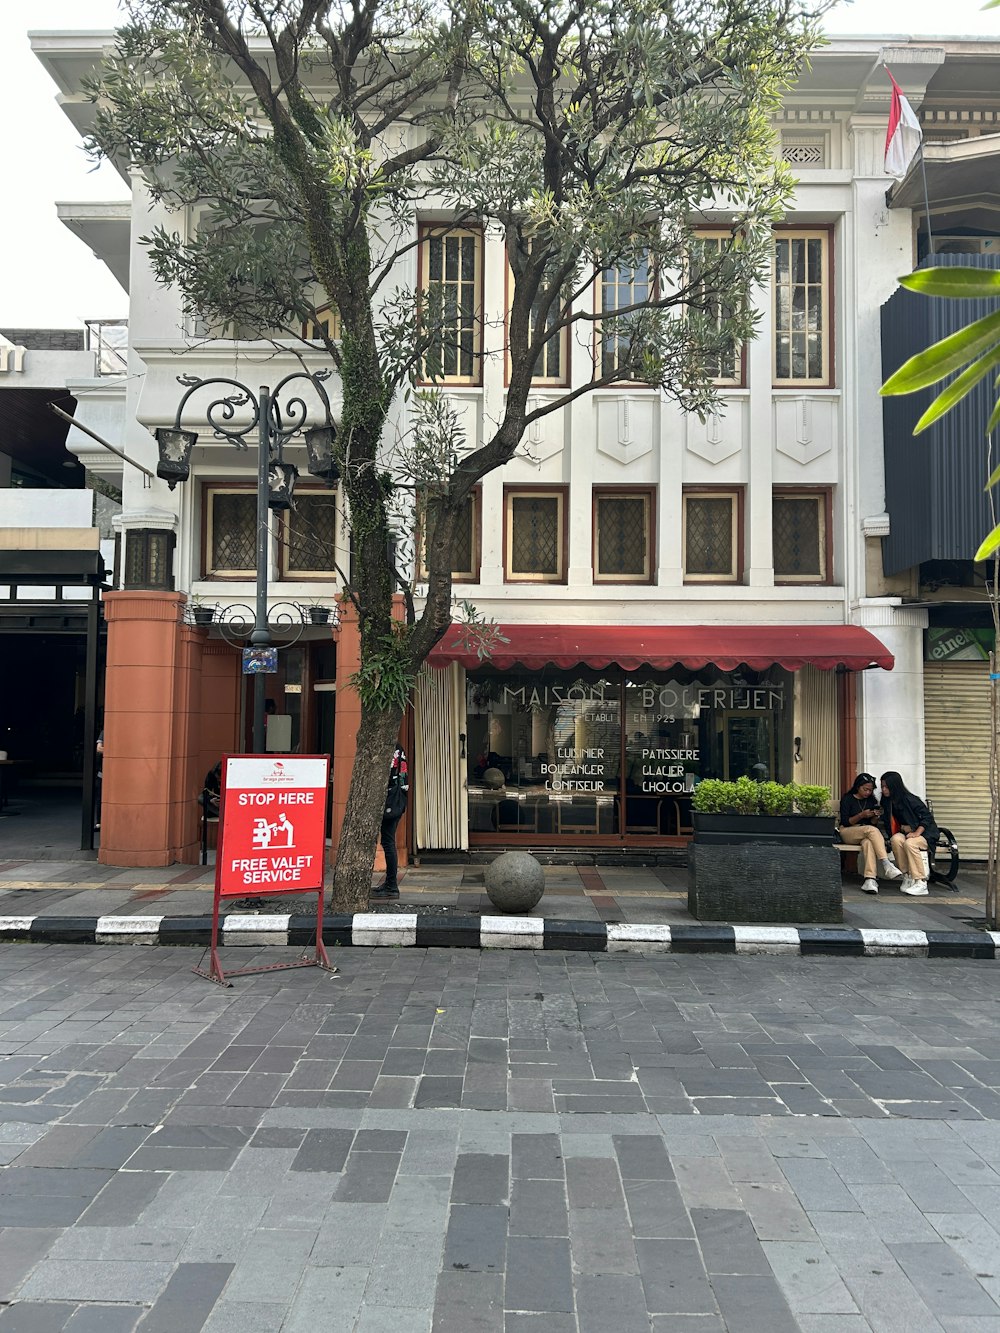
[(538, 1208), (477, 1238), (187, 1300), (604, 1303), (808, 1278), (674, 1278), (593, 1183), (947, 1286), (93, 1280), (40, 1317), (601, 1241), (753, 1305), (469, 1303), (728, 1241), (481, 1178), (539, 1275)]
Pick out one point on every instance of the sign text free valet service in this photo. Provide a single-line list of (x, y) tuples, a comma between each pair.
[(273, 823)]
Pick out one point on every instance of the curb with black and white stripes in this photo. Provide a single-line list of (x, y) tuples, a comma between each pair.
[(413, 929)]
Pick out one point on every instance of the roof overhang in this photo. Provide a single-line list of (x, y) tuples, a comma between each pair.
[(105, 228), (962, 177)]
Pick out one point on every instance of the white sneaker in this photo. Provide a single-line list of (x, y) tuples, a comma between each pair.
[(888, 871), (917, 888), (905, 885), (869, 886)]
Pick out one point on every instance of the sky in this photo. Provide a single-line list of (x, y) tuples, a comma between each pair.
[(49, 279)]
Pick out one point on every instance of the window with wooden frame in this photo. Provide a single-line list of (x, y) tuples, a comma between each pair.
[(713, 535), (552, 366), (325, 325), (623, 286), (230, 527), (710, 249), (465, 551), (800, 528), (802, 306), (309, 536), (535, 534), (623, 535), (451, 279)]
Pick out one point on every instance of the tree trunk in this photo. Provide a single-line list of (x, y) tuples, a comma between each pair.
[(352, 876)]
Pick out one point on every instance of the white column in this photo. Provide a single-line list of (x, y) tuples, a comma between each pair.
[(891, 703), (757, 512)]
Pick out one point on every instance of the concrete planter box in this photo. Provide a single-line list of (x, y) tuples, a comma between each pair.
[(756, 868)]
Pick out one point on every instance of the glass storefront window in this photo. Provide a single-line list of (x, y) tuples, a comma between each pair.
[(562, 755)]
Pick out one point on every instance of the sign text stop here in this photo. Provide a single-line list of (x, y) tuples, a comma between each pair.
[(273, 824)]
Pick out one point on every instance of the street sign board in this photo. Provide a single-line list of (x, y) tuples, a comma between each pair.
[(272, 830)]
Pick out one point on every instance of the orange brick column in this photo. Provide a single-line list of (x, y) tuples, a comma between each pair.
[(152, 704)]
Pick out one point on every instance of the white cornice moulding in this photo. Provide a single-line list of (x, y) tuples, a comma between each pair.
[(875, 525), (888, 614), (145, 518)]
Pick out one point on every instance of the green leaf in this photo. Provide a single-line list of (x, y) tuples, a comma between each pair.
[(959, 387), (989, 545), (995, 474), (954, 282), (944, 357), (994, 420)]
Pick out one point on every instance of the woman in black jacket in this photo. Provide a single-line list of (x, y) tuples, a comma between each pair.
[(912, 830)]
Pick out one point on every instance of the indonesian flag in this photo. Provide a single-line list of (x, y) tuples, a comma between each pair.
[(902, 138)]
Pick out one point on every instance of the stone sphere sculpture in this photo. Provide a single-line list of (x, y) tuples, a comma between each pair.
[(493, 779), (515, 882)]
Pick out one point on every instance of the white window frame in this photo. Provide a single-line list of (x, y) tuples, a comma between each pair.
[(738, 378), (804, 234), (428, 233), (209, 492)]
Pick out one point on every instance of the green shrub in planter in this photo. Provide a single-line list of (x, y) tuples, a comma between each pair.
[(811, 800), (774, 798), (712, 796), (746, 796)]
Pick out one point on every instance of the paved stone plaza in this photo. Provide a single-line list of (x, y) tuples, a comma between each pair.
[(506, 1142)]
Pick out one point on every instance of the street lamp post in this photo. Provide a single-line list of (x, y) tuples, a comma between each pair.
[(276, 422)]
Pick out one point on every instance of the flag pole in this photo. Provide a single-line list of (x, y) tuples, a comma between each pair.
[(927, 202)]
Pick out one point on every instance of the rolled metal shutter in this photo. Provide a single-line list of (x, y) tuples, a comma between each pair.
[(957, 723)]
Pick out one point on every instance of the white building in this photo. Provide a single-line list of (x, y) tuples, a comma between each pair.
[(681, 599)]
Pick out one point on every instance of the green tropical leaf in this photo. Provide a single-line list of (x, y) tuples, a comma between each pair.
[(944, 357), (994, 420), (957, 389), (954, 282), (995, 474), (990, 544)]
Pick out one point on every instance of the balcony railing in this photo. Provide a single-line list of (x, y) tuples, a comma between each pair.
[(108, 339)]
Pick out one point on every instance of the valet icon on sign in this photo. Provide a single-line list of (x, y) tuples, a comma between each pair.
[(268, 835)]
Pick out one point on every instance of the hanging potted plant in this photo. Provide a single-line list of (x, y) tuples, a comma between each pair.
[(319, 615), (203, 613), (763, 851)]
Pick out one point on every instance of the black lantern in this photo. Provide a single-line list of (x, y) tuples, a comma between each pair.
[(175, 454), (319, 447), (280, 484)]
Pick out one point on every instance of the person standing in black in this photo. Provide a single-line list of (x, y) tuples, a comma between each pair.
[(396, 797)]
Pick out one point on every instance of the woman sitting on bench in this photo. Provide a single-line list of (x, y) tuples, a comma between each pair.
[(911, 832), (859, 816)]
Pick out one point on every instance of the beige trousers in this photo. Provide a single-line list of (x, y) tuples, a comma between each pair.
[(871, 844), (907, 853)]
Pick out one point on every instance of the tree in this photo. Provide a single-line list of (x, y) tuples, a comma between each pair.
[(964, 359), (589, 134)]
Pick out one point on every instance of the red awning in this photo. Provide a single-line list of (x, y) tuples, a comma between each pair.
[(632, 647)]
